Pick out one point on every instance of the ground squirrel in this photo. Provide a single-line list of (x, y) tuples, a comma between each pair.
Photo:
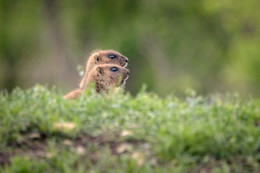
[(99, 57), (104, 76)]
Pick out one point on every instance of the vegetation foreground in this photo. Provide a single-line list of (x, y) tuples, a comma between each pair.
[(42, 132)]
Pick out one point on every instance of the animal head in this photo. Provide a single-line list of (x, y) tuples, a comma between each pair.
[(109, 57), (112, 74), (108, 75)]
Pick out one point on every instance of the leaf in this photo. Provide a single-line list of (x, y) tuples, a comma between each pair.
[(34, 135), (67, 126), (80, 150), (50, 155), (125, 133), (139, 158), (124, 147), (67, 142)]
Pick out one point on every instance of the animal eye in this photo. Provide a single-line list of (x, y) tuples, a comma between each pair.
[(114, 69), (112, 56)]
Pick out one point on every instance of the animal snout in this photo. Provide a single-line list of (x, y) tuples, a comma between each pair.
[(128, 72), (126, 59)]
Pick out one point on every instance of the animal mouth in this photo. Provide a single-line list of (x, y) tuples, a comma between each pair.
[(125, 65), (124, 81)]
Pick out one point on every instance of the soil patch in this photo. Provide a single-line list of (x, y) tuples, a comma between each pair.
[(34, 145)]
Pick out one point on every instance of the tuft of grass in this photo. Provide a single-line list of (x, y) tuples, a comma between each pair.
[(42, 132)]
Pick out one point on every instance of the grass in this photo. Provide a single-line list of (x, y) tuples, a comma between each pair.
[(41, 132)]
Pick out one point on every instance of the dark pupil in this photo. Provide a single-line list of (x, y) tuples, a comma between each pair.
[(112, 56), (114, 69)]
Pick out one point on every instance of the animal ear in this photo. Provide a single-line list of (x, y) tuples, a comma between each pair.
[(97, 57), (100, 70)]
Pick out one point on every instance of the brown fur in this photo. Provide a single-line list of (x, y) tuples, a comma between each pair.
[(102, 57), (104, 78), (73, 94)]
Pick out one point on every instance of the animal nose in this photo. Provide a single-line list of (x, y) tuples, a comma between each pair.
[(126, 59), (128, 72)]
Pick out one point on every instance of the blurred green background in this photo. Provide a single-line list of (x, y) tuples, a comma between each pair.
[(207, 45)]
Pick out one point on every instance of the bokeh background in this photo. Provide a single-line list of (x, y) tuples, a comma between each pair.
[(207, 45)]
